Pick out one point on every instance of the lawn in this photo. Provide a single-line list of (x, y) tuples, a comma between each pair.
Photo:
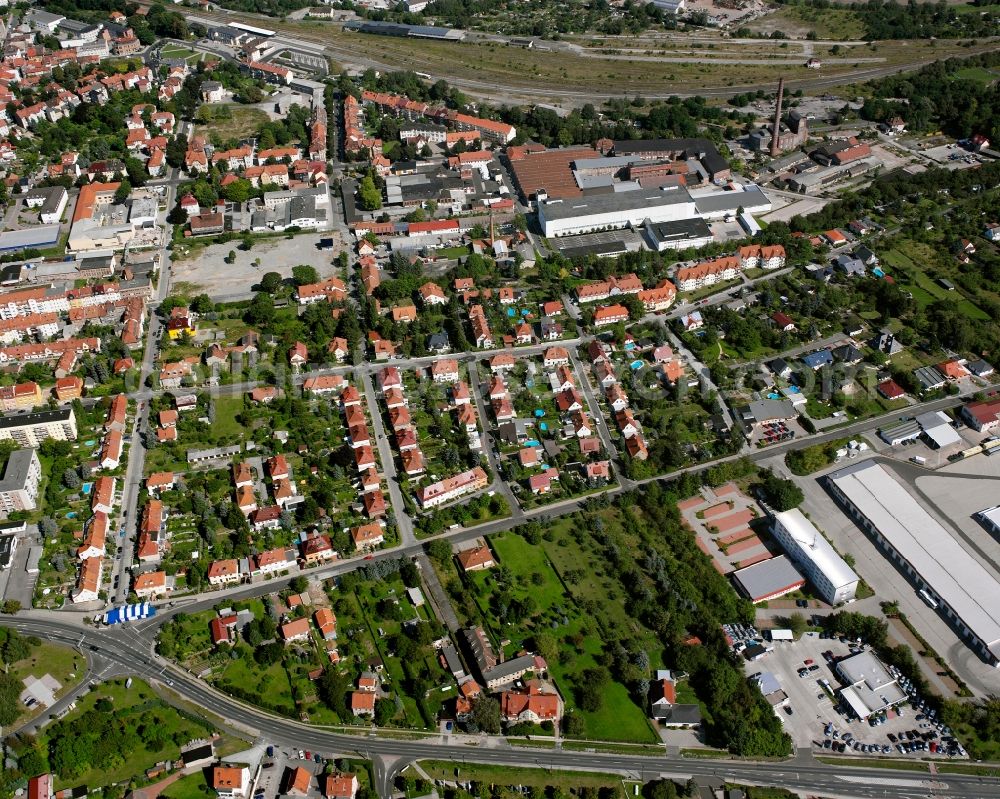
[(272, 683), (63, 663), (530, 777), (925, 291), (580, 644), (137, 704), (226, 411), (192, 786), (984, 77), (179, 51), (226, 122)]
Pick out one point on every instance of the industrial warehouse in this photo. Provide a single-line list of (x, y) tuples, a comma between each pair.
[(955, 582)]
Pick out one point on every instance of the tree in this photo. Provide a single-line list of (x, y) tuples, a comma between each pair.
[(303, 274), (177, 216), (385, 709), (269, 654), (238, 191), (369, 194), (410, 574), (261, 310), (574, 725), (10, 689), (440, 550), (123, 191), (298, 584), (797, 624), (202, 304), (590, 688), (779, 493), (270, 282), (11, 606), (71, 479), (332, 689), (486, 715)]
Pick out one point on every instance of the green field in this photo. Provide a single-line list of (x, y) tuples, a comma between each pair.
[(179, 51), (925, 291), (980, 75), (534, 570), (64, 664), (138, 706), (226, 410), (226, 122), (191, 786), (527, 561), (530, 777)]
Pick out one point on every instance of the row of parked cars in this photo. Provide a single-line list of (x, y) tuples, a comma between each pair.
[(937, 736), (850, 742)]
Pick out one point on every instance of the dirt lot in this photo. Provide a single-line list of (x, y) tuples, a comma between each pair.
[(207, 270)]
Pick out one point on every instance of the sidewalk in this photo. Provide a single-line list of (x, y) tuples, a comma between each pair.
[(942, 683)]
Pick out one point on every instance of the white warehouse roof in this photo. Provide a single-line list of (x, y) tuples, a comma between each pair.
[(958, 579), (814, 546)]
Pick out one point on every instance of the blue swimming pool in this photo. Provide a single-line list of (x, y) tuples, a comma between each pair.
[(532, 443), (90, 443), (772, 395), (71, 514), (86, 488), (636, 365)]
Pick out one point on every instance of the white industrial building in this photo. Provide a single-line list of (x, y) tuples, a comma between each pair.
[(990, 519), (964, 591), (713, 204), (613, 210), (835, 581), (868, 688)]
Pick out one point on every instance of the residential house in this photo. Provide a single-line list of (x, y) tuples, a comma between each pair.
[(295, 630)]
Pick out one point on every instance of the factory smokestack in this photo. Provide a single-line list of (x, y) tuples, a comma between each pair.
[(775, 149)]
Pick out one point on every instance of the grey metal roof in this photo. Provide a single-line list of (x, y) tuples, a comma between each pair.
[(958, 579), (751, 197), (613, 203), (768, 577), (15, 473)]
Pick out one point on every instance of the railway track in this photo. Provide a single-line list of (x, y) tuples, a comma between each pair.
[(527, 89)]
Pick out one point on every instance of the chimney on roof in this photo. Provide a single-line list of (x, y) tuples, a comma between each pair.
[(775, 149)]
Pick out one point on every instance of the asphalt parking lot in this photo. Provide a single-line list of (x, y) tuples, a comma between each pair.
[(815, 717)]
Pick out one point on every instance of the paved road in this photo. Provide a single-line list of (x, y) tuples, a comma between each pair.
[(602, 421), (438, 597), (131, 652), (476, 389), (137, 450), (403, 522)]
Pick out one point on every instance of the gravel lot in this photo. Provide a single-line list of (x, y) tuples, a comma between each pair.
[(221, 281)]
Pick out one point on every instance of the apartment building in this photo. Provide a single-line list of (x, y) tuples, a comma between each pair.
[(30, 429), (19, 484), (452, 488)]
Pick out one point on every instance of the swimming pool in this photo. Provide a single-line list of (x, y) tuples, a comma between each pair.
[(90, 443), (86, 488), (532, 443), (71, 514), (636, 365)]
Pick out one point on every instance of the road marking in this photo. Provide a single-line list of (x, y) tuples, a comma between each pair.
[(895, 782)]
